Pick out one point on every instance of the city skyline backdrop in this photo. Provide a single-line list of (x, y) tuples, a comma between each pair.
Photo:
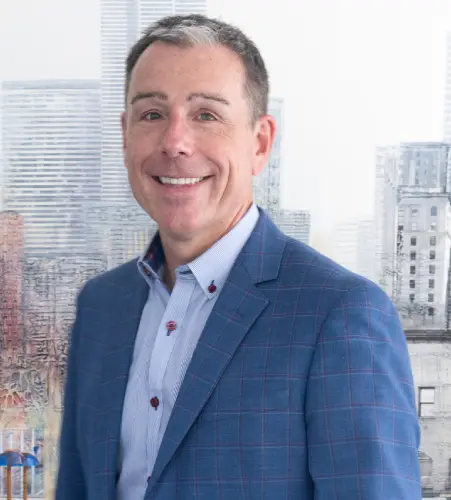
[(346, 88)]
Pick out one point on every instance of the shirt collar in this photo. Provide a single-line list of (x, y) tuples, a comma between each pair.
[(210, 269), (151, 262)]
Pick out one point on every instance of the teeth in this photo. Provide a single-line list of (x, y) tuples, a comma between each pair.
[(186, 180)]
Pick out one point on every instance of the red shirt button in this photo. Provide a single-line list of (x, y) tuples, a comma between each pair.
[(212, 288), (155, 402), (171, 326)]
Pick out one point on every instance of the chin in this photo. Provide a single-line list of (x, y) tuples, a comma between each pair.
[(183, 226)]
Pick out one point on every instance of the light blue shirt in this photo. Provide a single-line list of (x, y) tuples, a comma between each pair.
[(162, 353)]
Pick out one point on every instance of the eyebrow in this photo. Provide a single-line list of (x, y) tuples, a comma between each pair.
[(194, 95)]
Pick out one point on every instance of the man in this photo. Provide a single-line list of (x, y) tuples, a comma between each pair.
[(230, 361)]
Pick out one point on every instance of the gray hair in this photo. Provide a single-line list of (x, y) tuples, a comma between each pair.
[(192, 30)]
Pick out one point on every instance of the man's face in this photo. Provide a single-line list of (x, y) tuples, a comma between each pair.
[(189, 146)]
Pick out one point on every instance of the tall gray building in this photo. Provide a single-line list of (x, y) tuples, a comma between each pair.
[(447, 117), (122, 22), (412, 221), (51, 159)]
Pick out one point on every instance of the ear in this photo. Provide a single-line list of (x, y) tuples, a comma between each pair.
[(265, 132)]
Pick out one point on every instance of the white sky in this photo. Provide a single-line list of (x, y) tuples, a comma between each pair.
[(353, 73)]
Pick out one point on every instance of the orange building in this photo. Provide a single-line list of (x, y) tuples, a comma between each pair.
[(11, 277)]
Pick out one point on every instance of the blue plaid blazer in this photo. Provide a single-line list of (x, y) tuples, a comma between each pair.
[(299, 388)]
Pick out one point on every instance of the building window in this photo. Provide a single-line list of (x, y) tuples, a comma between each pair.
[(412, 283), (426, 400), (434, 211), (432, 269), (431, 311), (430, 297), (413, 241), (413, 255), (414, 226), (412, 269), (432, 254), (433, 241), (433, 226), (400, 227), (431, 283), (412, 298), (413, 212), (425, 466)]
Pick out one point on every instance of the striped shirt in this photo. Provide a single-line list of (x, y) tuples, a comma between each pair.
[(170, 327)]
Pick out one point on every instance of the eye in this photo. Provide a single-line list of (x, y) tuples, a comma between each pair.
[(151, 116), (205, 116)]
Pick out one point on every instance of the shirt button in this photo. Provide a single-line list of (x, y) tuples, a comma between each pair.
[(212, 287), (155, 403), (171, 326)]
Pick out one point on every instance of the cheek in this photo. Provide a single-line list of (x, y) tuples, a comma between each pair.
[(135, 158), (140, 143)]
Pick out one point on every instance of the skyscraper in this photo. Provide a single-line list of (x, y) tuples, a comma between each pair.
[(122, 22), (413, 230), (447, 127), (51, 158)]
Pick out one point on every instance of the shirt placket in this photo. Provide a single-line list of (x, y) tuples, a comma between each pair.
[(168, 332)]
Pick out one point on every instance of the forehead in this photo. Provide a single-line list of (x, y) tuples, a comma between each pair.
[(214, 67)]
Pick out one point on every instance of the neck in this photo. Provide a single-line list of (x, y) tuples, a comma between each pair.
[(178, 251)]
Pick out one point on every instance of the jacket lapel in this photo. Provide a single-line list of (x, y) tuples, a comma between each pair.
[(122, 312), (237, 308)]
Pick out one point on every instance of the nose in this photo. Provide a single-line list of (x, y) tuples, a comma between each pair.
[(177, 139)]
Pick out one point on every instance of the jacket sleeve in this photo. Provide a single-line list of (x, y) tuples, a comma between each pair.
[(362, 425), (70, 480)]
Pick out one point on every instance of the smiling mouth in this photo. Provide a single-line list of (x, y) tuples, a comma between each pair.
[(180, 181)]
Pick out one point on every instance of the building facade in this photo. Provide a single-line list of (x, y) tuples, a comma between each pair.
[(423, 255), (447, 114), (412, 228), (51, 159), (430, 357)]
